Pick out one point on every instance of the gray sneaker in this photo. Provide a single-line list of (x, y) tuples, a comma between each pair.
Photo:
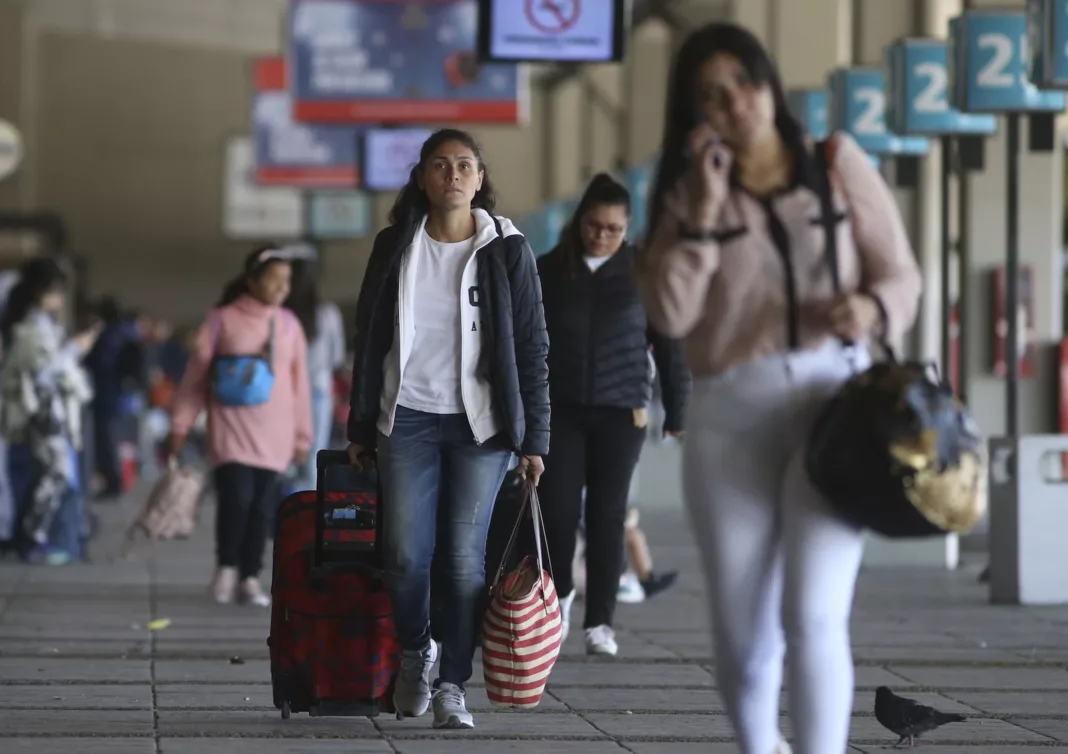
[(450, 708), (411, 695)]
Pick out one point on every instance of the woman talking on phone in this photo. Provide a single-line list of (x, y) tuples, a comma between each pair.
[(737, 265), (449, 380)]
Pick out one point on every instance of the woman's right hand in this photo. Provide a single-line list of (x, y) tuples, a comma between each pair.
[(707, 177), (355, 451), (86, 339)]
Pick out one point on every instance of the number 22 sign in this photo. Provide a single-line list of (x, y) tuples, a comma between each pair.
[(919, 100), (858, 107), (988, 62)]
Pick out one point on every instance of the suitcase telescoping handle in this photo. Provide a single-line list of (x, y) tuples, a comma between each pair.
[(324, 460)]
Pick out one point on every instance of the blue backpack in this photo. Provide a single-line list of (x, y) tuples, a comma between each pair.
[(238, 380)]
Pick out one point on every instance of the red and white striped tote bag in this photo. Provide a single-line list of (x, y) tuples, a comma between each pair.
[(522, 629)]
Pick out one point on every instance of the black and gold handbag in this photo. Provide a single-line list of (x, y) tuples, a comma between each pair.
[(894, 450)]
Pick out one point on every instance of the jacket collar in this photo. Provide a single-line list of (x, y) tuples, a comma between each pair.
[(485, 229)]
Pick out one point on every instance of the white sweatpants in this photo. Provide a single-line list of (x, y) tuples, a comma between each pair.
[(775, 557)]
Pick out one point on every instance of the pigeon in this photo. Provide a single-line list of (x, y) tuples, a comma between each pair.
[(908, 718)]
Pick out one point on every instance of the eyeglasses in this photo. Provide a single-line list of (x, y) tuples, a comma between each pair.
[(611, 230)]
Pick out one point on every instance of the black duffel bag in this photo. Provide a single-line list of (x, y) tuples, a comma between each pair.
[(895, 452)]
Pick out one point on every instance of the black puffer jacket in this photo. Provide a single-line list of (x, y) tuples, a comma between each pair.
[(514, 341), (600, 338)]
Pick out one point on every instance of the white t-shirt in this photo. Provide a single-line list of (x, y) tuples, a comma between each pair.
[(594, 263), (431, 379)]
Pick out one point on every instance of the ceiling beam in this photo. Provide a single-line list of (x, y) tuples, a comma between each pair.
[(642, 11)]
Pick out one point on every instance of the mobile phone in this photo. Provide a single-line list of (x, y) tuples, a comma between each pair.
[(700, 119)]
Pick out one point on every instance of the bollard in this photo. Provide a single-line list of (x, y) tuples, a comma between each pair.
[(1028, 520)]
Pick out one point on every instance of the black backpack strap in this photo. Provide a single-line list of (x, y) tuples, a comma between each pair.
[(497, 225), (827, 214)]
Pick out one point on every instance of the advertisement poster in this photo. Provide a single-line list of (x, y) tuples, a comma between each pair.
[(339, 215), (396, 61), (256, 212), (568, 30), (296, 154), (389, 156), (1025, 314)]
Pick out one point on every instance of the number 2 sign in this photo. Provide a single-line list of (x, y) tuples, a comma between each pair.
[(919, 99), (858, 107), (988, 62)]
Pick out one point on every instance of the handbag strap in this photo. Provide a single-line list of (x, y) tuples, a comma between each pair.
[(530, 499), (825, 154), (215, 323)]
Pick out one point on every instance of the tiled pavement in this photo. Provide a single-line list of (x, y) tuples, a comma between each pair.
[(81, 674)]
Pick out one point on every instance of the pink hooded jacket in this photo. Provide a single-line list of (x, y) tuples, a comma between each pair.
[(267, 436)]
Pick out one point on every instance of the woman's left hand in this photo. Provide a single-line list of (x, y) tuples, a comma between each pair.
[(855, 316), (531, 467)]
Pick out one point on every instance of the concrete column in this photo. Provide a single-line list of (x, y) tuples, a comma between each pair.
[(11, 64)]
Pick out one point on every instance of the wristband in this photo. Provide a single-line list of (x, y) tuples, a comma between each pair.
[(687, 233)]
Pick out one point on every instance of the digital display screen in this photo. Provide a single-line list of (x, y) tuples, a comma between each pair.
[(552, 30), (389, 156)]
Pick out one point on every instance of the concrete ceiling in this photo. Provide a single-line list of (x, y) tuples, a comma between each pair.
[(252, 26)]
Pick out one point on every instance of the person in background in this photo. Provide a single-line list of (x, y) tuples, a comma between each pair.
[(325, 333), (601, 384), (44, 389), (8, 504), (449, 379), (111, 364), (737, 264), (251, 441)]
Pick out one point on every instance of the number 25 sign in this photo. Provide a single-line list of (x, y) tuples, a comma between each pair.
[(988, 62)]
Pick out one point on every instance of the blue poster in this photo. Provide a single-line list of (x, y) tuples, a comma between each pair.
[(533, 228), (396, 61), (1047, 39), (988, 65), (296, 154), (809, 106), (339, 215), (638, 182), (919, 97)]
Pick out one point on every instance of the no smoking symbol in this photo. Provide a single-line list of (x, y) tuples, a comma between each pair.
[(552, 16)]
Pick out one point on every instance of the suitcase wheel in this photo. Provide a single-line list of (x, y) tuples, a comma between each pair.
[(285, 710)]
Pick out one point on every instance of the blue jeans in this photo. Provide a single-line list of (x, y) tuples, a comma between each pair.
[(432, 471), (69, 529)]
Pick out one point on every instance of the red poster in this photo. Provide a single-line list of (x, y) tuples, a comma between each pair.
[(1026, 323)]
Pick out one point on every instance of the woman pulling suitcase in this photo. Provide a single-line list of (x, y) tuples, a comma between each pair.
[(449, 380)]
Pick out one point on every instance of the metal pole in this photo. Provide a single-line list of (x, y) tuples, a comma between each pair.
[(964, 308), (548, 144), (946, 293), (589, 132), (1012, 275)]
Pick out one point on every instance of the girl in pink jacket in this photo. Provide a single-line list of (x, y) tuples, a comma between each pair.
[(248, 369)]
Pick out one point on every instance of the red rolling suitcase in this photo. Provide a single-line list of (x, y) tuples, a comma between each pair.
[(333, 645)]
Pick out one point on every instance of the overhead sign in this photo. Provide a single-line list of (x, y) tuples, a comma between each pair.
[(556, 31), (251, 211), (809, 106), (858, 107), (390, 154), (919, 99), (988, 65), (396, 61), (10, 149), (297, 154), (1047, 38), (339, 214)]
